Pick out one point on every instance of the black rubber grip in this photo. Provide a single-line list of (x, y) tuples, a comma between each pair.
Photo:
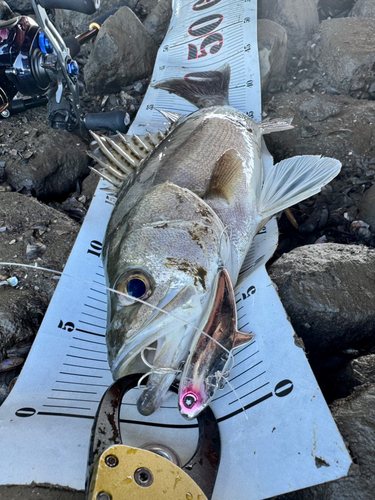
[(112, 120), (84, 6), (73, 45), (103, 17)]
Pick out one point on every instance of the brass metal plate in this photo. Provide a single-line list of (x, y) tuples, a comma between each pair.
[(119, 482)]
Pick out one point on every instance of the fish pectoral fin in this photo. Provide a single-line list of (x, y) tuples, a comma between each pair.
[(226, 176), (203, 89), (294, 180), (241, 339), (270, 126)]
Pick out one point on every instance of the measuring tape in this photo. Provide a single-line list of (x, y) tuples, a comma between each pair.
[(271, 448)]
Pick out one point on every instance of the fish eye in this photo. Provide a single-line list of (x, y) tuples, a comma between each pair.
[(136, 284)]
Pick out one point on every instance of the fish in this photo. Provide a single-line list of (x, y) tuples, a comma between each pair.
[(189, 202)]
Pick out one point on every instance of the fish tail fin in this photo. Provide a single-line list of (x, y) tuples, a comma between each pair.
[(294, 180), (202, 88)]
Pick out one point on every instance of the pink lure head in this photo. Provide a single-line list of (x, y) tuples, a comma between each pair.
[(191, 402)]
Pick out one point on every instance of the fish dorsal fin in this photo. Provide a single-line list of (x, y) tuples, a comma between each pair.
[(203, 88), (294, 180), (269, 126), (226, 176), (171, 117), (121, 155)]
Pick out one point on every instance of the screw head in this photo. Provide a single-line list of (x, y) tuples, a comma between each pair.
[(111, 461), (143, 477), (102, 495)]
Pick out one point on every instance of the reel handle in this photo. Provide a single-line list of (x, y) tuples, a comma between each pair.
[(83, 6), (112, 120)]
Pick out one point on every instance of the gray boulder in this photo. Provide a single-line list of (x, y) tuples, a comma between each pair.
[(300, 19), (123, 53), (347, 55), (328, 291), (363, 8), (5, 11), (367, 208), (157, 22), (334, 8), (272, 47), (331, 125), (74, 23), (21, 6), (40, 160)]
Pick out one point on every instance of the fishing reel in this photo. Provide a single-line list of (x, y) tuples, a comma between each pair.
[(36, 61)]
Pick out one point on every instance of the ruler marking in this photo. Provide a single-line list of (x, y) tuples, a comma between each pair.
[(70, 407), (73, 399), (245, 359), (81, 375), (243, 326), (96, 317), (250, 405), (101, 275), (251, 392), (91, 324), (98, 291), (248, 369), (90, 333), (90, 350), (241, 316), (247, 382), (87, 367), (89, 341), (80, 383), (90, 359), (78, 392), (98, 282), (97, 300), (97, 308), (243, 348)]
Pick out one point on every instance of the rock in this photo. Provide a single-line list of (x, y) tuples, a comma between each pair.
[(363, 8), (355, 418), (300, 19), (367, 208), (334, 8), (328, 291), (89, 185), (145, 7), (272, 42), (5, 11), (123, 53), (346, 136), (157, 22), (347, 48), (40, 160), (28, 221), (21, 6), (69, 22), (316, 111)]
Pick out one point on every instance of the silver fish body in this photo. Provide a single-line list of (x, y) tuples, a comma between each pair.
[(190, 211)]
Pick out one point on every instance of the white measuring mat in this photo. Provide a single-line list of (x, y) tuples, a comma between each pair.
[(287, 440)]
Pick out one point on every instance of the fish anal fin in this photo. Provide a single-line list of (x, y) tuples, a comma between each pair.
[(203, 88), (294, 180), (241, 339), (226, 176), (270, 126)]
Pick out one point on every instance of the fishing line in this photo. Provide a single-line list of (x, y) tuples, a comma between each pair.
[(129, 297)]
